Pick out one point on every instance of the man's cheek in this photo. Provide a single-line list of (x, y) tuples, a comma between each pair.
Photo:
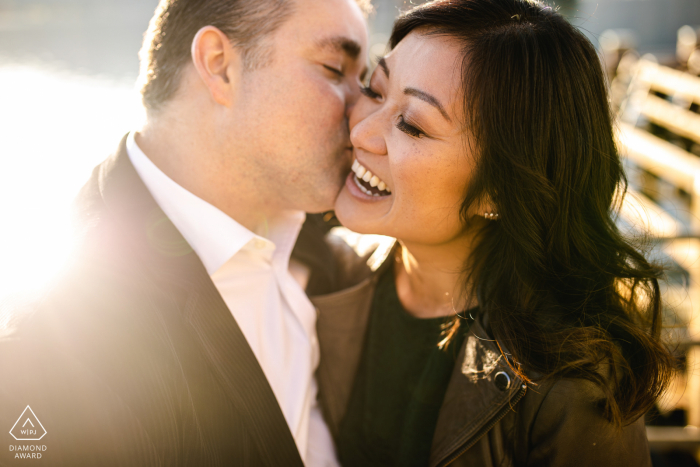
[(329, 102)]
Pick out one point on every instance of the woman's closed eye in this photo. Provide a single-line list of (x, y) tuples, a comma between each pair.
[(408, 128), (369, 92), (402, 125)]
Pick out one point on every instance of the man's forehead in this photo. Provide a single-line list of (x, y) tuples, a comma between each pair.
[(328, 18), (336, 26)]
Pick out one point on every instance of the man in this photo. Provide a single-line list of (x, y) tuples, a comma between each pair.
[(181, 334)]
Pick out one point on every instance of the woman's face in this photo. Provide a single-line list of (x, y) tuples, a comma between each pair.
[(408, 131)]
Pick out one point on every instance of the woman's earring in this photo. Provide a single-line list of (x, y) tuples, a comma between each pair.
[(491, 216)]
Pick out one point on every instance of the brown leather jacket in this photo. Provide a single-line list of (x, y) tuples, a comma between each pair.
[(489, 417)]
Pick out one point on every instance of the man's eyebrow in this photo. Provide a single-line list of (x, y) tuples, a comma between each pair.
[(427, 98), (342, 44)]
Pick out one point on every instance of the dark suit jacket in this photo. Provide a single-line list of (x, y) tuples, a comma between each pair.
[(131, 357)]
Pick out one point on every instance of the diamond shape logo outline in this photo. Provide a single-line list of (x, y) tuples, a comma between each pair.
[(20, 418)]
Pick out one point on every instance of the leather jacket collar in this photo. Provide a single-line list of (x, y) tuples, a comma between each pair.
[(481, 391)]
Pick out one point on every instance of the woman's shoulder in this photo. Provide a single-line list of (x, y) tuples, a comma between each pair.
[(562, 418), (357, 257), (565, 419)]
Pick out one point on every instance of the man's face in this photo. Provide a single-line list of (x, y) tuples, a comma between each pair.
[(292, 113)]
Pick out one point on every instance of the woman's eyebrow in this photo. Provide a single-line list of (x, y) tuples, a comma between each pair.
[(429, 99), (384, 66), (424, 96)]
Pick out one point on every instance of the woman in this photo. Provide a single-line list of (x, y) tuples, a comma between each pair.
[(511, 324)]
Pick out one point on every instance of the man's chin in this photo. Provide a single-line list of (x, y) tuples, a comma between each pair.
[(324, 202)]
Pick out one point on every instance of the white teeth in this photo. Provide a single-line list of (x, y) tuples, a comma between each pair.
[(365, 175), (363, 189)]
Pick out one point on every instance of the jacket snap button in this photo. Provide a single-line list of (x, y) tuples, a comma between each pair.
[(502, 380)]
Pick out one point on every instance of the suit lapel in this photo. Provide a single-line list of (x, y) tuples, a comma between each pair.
[(237, 368), (154, 242)]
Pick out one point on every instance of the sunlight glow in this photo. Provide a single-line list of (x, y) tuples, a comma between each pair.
[(54, 128)]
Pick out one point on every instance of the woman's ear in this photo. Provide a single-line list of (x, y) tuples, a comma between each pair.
[(485, 209), (218, 64)]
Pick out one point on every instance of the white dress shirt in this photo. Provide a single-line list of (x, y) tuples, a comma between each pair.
[(252, 274)]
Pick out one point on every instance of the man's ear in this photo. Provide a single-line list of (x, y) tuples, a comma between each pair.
[(217, 63)]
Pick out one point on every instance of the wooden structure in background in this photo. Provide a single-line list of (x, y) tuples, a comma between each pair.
[(662, 98)]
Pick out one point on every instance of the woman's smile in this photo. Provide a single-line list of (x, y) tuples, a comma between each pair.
[(369, 184)]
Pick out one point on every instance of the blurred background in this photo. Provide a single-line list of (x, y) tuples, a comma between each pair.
[(67, 96)]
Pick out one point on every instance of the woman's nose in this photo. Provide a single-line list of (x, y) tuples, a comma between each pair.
[(367, 129)]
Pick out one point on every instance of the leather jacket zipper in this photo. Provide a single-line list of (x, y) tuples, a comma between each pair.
[(485, 429)]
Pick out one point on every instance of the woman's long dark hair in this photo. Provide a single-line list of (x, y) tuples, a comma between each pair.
[(565, 293)]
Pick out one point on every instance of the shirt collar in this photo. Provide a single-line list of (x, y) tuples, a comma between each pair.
[(211, 233)]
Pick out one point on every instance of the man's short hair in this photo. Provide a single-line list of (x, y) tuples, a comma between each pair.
[(167, 43)]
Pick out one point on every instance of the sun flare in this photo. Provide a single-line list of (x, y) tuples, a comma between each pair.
[(54, 128)]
